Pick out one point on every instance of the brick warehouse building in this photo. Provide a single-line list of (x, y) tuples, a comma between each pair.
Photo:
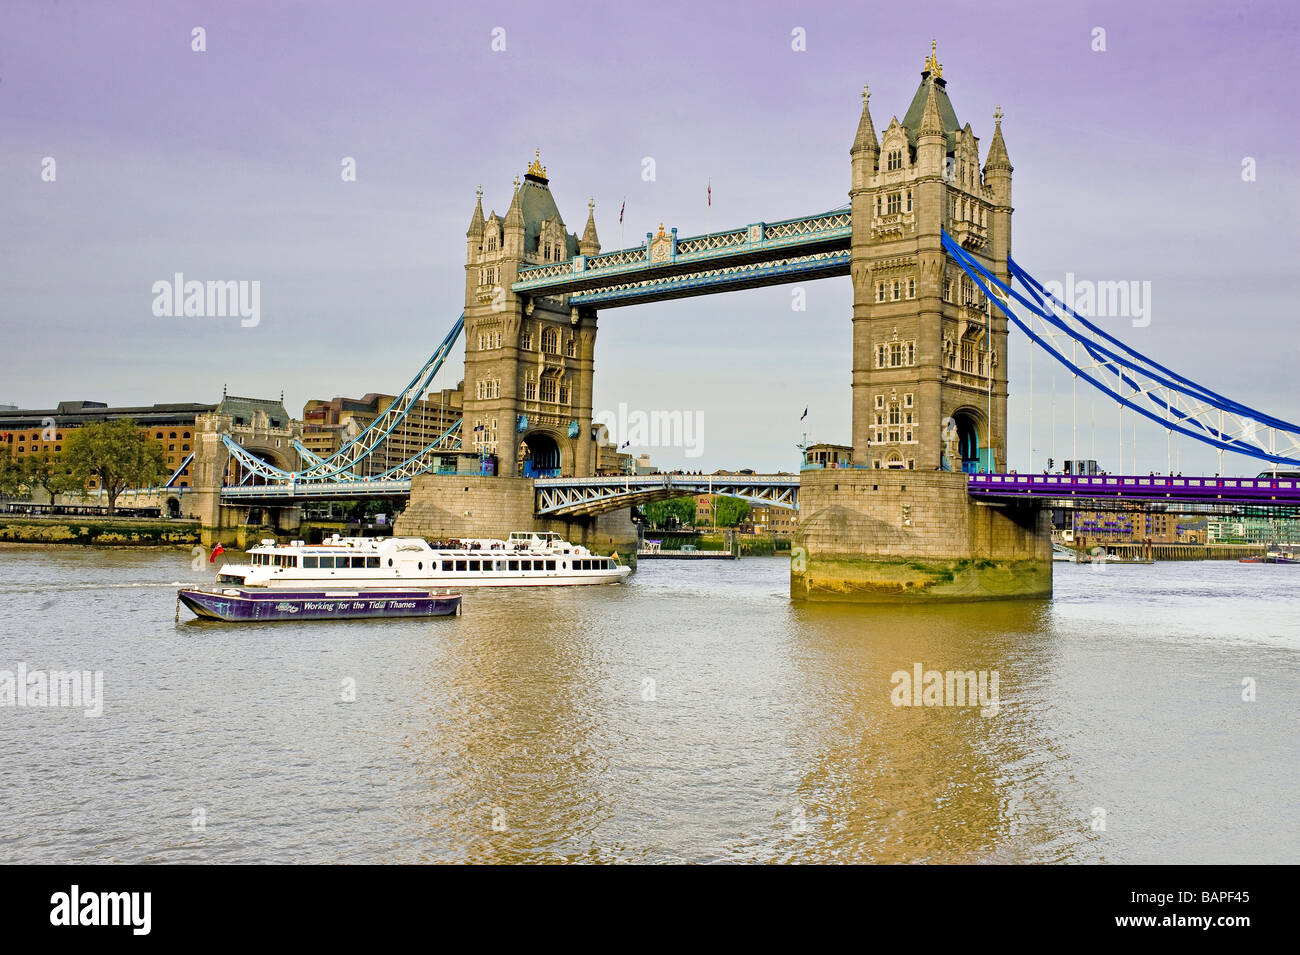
[(25, 432)]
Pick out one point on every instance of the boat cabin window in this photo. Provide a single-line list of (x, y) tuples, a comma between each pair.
[(550, 565), (358, 562), (462, 565), (473, 565), (311, 563), (372, 562), (446, 566), (514, 565)]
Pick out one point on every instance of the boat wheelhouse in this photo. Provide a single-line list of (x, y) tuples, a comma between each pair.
[(526, 559)]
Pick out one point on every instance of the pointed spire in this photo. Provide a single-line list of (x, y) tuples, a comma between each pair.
[(515, 214), (476, 223), (866, 140), (932, 65), (590, 244), (931, 122), (998, 158)]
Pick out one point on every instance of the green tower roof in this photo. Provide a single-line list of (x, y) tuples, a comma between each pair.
[(912, 119)]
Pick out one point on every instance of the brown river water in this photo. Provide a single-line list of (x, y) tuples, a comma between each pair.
[(693, 714)]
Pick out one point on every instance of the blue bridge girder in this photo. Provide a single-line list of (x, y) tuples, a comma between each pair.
[(578, 497), (666, 267)]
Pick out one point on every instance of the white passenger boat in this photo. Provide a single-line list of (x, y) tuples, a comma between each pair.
[(356, 563)]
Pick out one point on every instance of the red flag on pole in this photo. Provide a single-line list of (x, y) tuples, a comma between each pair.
[(710, 192), (215, 552)]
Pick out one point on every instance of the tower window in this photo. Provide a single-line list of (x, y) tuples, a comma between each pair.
[(550, 341)]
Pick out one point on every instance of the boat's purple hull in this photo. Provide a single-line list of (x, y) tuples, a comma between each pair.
[(238, 604)]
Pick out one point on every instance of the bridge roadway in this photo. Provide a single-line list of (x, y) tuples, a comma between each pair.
[(575, 497)]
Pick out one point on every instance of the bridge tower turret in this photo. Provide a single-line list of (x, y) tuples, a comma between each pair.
[(528, 361), (929, 362)]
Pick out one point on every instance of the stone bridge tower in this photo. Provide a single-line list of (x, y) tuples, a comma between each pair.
[(929, 355), (929, 380), (263, 427), (528, 361)]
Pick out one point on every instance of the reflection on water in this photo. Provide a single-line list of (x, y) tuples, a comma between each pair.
[(692, 714)]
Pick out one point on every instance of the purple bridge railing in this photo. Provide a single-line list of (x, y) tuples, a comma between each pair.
[(1136, 487)]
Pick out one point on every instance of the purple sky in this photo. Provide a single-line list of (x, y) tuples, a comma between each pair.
[(225, 165)]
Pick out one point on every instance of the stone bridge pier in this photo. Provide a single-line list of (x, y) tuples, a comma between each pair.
[(877, 536)]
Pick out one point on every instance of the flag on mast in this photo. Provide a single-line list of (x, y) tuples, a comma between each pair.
[(710, 192), (804, 415), (620, 210)]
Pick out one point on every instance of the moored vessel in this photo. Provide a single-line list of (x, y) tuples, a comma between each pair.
[(244, 604), (526, 559)]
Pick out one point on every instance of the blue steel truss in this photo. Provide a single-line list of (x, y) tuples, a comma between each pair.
[(1120, 372), (343, 465), (577, 497)]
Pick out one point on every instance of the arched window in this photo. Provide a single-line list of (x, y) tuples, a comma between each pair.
[(550, 341), (571, 348)]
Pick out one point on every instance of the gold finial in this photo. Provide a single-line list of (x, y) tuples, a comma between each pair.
[(479, 192), (535, 168), (866, 94), (661, 234), (591, 204), (997, 115), (516, 183), (932, 64)]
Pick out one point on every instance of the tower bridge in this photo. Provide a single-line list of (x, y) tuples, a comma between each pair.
[(928, 510)]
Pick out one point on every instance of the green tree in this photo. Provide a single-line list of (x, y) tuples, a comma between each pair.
[(47, 471), (679, 510), (730, 511), (11, 473), (117, 454)]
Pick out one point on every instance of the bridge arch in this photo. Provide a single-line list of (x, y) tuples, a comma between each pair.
[(541, 454), (968, 441)]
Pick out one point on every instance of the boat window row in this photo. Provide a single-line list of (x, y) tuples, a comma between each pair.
[(312, 563), (487, 566)]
